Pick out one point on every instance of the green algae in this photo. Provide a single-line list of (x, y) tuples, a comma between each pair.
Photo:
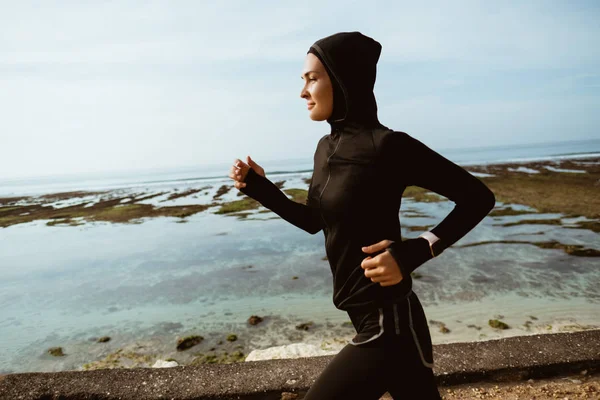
[(56, 351), (419, 228), (591, 225), (497, 324), (501, 212), (419, 194), (554, 221), (107, 210), (416, 275), (222, 190), (298, 195), (547, 191), (120, 359), (232, 337), (185, 193), (223, 358), (188, 341), (238, 205), (570, 249)]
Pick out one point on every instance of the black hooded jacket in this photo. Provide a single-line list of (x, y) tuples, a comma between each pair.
[(361, 169)]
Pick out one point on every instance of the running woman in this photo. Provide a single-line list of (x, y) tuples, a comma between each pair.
[(361, 169)]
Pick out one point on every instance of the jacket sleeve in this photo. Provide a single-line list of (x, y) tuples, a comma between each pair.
[(413, 163), (265, 192)]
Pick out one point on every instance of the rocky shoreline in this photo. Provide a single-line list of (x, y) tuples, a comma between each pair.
[(525, 191)]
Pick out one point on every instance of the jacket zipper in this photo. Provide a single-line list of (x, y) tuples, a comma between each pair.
[(324, 187)]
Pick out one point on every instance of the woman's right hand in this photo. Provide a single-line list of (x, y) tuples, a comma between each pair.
[(239, 171)]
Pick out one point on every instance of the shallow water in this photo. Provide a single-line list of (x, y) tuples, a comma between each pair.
[(157, 280)]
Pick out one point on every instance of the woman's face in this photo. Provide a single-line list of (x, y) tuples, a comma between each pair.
[(317, 90)]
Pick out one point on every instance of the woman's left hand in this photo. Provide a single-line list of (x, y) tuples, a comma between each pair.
[(383, 267)]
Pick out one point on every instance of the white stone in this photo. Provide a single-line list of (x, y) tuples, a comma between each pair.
[(294, 350), (164, 364)]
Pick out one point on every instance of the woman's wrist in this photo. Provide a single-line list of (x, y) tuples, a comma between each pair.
[(410, 254), (434, 243)]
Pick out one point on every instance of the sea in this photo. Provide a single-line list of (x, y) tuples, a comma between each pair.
[(280, 168), (152, 282)]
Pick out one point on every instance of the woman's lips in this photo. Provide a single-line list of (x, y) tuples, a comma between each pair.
[(310, 105)]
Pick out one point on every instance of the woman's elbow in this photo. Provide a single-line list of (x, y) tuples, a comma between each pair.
[(488, 200), (314, 229)]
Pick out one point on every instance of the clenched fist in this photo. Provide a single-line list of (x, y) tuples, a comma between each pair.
[(240, 169)]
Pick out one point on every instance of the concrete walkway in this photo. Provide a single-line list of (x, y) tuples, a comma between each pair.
[(514, 358)]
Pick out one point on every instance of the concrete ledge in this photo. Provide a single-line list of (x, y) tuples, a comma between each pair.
[(512, 358)]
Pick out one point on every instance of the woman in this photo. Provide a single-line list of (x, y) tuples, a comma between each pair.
[(361, 169)]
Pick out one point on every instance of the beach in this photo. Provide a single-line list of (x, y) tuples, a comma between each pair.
[(142, 267)]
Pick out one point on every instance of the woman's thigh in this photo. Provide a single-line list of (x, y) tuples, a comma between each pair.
[(368, 371), (390, 363), (356, 372)]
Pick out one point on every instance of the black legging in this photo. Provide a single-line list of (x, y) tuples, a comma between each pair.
[(392, 354)]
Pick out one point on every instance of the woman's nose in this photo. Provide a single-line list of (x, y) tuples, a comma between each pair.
[(303, 93)]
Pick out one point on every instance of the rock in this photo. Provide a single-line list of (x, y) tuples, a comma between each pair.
[(232, 337), (187, 342), (294, 277), (254, 319), (294, 350), (304, 326), (164, 364), (444, 329), (103, 339), (494, 323), (56, 351), (288, 396)]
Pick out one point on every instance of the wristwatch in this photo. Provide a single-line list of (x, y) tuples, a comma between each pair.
[(434, 243)]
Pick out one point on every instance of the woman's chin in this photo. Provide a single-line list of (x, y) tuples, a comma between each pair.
[(316, 117)]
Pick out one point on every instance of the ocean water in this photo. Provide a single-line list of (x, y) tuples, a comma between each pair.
[(279, 168), (158, 280)]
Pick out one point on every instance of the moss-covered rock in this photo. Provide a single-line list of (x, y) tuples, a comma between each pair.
[(187, 342), (254, 319), (497, 324), (56, 351), (103, 339), (304, 326), (232, 337)]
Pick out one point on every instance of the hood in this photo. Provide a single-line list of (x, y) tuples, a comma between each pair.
[(350, 59)]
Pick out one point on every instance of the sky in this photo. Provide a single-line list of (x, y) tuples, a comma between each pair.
[(102, 86)]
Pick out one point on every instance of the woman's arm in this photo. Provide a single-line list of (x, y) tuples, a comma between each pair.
[(265, 192), (416, 164)]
